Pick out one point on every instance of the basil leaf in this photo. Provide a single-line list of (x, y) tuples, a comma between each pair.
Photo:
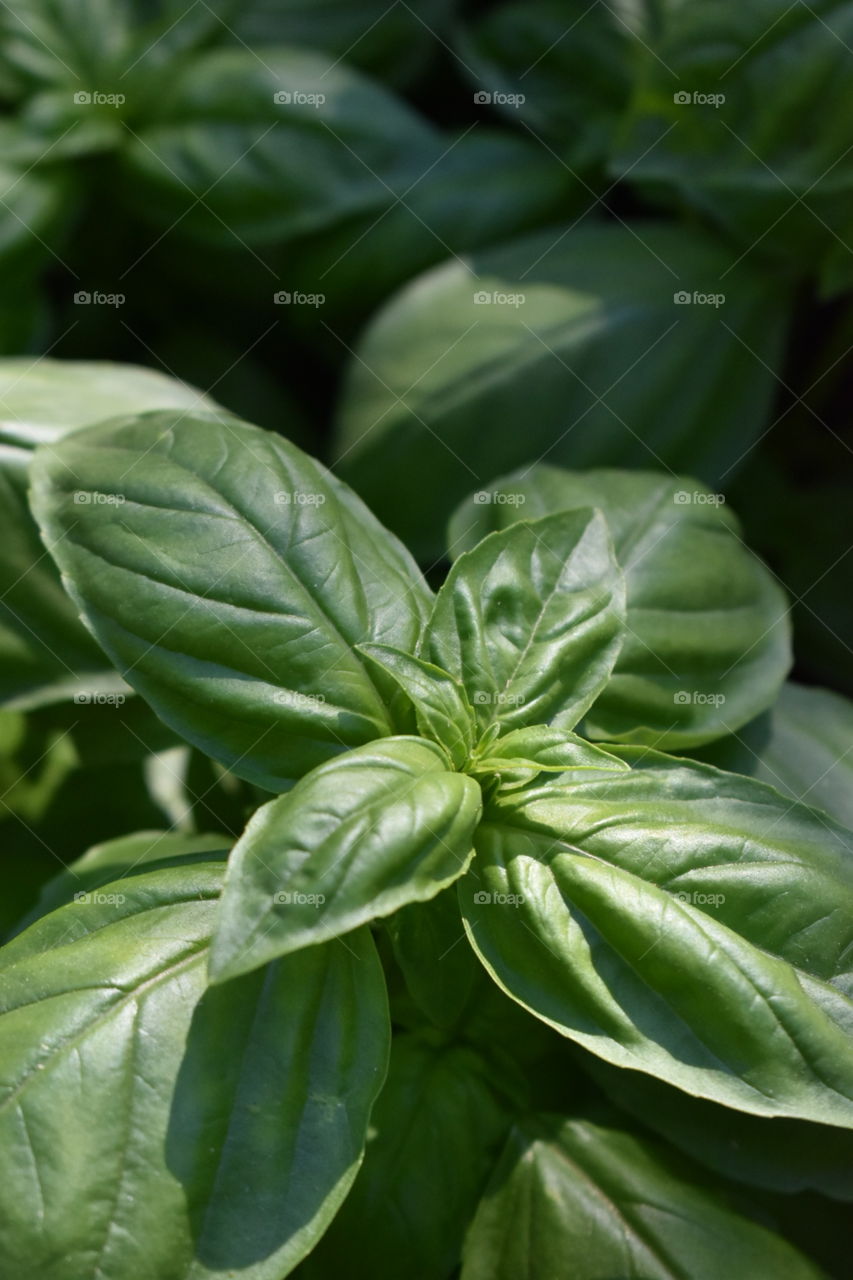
[(229, 577), (442, 710), (247, 150), (359, 837), (47, 655), (779, 1155), (707, 128), (124, 856), (801, 746), (616, 1205), (707, 641), (563, 74), (531, 621), (691, 924), (431, 949), (565, 347), (435, 1132), (540, 749), (129, 1155)]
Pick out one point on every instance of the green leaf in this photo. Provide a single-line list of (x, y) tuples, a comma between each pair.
[(47, 655), (688, 923), (560, 70), (441, 706), (432, 951), (531, 621), (778, 1155), (774, 170), (128, 1154), (435, 1132), (540, 749), (229, 577), (242, 149), (579, 358), (801, 746), (358, 838), (707, 642), (119, 858), (616, 1205)]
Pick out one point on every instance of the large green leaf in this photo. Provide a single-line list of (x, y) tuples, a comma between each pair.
[(127, 1153), (560, 67), (707, 638), (361, 836), (531, 621), (685, 922), (615, 1204), (47, 654), (803, 746), (245, 149), (709, 128), (435, 1132), (439, 968), (583, 356), (229, 577)]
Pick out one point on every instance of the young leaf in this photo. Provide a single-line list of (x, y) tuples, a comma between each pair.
[(690, 924), (442, 710), (435, 1133), (531, 621), (156, 1129), (707, 641), (616, 1205), (357, 838), (540, 749), (229, 577)]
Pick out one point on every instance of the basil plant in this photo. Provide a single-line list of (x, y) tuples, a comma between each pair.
[(618, 977)]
